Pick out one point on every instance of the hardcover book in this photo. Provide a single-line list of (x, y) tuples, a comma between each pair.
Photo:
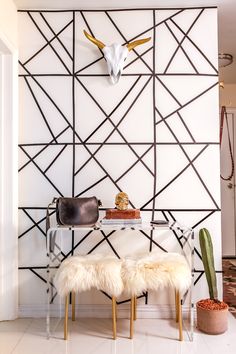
[(123, 214)]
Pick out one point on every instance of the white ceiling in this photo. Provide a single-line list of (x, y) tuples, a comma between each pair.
[(227, 18)]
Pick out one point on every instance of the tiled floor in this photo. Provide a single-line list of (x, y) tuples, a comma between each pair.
[(90, 336)]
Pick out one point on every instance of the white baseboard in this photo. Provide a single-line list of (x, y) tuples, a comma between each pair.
[(101, 311)]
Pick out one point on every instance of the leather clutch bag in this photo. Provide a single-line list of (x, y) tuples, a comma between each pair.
[(77, 211)]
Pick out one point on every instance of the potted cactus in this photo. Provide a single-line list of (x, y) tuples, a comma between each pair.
[(211, 313)]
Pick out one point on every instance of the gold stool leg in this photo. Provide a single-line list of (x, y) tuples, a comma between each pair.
[(116, 310), (180, 316), (66, 317), (132, 317), (176, 307), (114, 316), (73, 305), (135, 308)]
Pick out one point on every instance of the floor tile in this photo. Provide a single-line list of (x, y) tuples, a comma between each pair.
[(94, 336), (11, 333)]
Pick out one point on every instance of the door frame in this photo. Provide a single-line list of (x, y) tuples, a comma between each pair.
[(8, 180)]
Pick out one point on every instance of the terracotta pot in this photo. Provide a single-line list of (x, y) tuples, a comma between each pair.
[(212, 321)]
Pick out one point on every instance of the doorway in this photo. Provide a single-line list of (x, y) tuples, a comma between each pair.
[(228, 198), (228, 205)]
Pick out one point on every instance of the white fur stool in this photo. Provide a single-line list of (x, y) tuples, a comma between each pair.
[(155, 271), (82, 273)]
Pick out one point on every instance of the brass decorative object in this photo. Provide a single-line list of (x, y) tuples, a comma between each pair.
[(129, 46), (94, 40), (134, 44), (115, 54), (122, 201)]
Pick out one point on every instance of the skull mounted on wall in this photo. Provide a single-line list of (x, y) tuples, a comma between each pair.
[(115, 55)]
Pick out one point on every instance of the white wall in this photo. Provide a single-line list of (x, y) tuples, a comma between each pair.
[(177, 178), (8, 21)]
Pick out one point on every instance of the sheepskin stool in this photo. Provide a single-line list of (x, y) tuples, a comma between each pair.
[(82, 273), (156, 271)]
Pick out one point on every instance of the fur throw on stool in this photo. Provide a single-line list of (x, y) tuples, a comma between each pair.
[(154, 271), (82, 273)]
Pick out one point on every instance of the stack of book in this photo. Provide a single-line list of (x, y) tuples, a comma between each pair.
[(122, 217)]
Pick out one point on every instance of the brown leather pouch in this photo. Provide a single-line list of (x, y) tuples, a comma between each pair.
[(77, 211)]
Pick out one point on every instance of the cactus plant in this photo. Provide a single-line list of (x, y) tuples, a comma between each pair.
[(211, 313), (208, 262)]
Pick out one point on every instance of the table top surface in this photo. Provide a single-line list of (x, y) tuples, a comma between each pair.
[(125, 226)]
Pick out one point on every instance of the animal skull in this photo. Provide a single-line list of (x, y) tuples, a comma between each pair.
[(122, 201), (115, 55)]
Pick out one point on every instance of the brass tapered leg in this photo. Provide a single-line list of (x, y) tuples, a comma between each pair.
[(114, 316), (135, 308), (176, 307), (73, 305), (180, 316), (66, 317), (132, 317), (116, 310)]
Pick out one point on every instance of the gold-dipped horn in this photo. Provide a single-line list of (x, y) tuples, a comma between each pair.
[(94, 40), (134, 44)]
